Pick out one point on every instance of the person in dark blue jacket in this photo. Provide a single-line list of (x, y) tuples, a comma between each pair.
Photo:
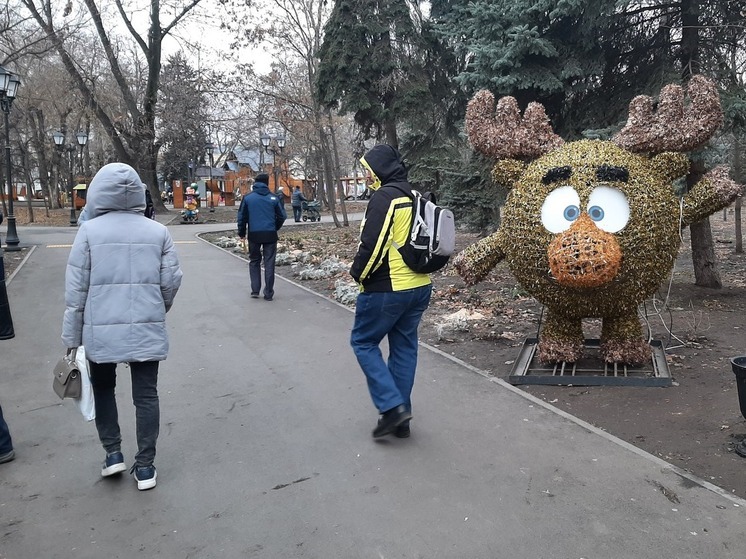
[(262, 213)]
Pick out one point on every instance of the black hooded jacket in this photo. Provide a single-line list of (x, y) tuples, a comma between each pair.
[(378, 266)]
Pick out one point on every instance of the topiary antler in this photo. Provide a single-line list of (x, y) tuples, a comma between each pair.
[(500, 132), (672, 126)]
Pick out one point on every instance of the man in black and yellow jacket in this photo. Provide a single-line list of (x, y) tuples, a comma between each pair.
[(392, 297)]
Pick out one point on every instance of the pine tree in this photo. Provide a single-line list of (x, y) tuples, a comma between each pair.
[(182, 118), (547, 50), (369, 64)]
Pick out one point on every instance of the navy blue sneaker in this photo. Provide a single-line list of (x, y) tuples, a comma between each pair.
[(145, 477), (114, 464)]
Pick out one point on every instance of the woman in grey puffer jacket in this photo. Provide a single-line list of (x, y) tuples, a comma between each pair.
[(122, 276)]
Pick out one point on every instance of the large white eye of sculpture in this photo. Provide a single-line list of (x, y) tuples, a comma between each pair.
[(560, 209), (608, 208)]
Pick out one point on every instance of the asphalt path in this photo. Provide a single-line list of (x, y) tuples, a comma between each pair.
[(265, 447)]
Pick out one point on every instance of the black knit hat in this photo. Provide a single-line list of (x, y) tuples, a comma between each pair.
[(262, 177)]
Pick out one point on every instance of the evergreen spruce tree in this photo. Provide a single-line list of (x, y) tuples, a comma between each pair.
[(547, 50), (368, 64), (181, 113)]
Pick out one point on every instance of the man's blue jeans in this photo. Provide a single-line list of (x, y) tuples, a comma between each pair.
[(147, 408), (297, 212), (257, 253), (396, 315), (6, 443)]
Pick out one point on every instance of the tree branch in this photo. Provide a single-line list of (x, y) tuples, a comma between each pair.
[(131, 29), (184, 12), (90, 99), (112, 58)]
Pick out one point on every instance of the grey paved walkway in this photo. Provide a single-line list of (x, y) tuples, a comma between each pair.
[(265, 448)]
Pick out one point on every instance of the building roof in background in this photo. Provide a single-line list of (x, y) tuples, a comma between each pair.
[(245, 157), (203, 171)]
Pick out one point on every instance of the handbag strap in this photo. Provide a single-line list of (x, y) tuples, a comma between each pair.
[(72, 352)]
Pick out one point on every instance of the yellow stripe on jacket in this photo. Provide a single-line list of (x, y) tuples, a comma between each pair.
[(378, 266)]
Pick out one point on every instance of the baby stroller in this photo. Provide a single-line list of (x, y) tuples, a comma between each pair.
[(311, 211), (190, 213)]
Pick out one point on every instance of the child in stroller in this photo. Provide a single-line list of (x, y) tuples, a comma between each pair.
[(190, 213), (311, 211)]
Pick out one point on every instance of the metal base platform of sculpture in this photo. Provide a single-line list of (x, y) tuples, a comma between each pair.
[(591, 370)]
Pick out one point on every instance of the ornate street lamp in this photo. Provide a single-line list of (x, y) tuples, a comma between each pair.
[(264, 139), (59, 145), (82, 138), (210, 148), (70, 164), (9, 84)]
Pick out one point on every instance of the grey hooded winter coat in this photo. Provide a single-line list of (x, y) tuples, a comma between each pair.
[(122, 274)]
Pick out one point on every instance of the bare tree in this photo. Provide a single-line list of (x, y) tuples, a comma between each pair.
[(296, 34), (130, 123)]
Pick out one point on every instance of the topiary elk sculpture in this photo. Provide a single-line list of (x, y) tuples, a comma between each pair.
[(591, 228)]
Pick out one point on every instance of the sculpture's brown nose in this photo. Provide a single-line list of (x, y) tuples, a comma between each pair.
[(584, 255)]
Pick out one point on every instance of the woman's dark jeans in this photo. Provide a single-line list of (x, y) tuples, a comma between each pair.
[(147, 410)]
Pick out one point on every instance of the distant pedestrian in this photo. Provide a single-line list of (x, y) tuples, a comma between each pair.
[(122, 276), (392, 298), (296, 200), (262, 213), (149, 206)]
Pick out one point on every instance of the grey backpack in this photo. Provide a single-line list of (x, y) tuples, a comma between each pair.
[(432, 234)]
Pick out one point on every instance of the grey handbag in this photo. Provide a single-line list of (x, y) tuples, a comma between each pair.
[(67, 381)]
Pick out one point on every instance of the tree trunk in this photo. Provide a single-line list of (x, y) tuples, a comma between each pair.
[(29, 181), (39, 140), (340, 186), (738, 172), (703, 249), (739, 232), (705, 264), (328, 175)]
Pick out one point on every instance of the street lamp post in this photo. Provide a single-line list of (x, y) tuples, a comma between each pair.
[(59, 145), (82, 139), (210, 148), (9, 84), (274, 145), (70, 163)]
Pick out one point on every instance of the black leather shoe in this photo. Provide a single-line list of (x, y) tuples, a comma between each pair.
[(390, 420), (741, 448), (402, 431)]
